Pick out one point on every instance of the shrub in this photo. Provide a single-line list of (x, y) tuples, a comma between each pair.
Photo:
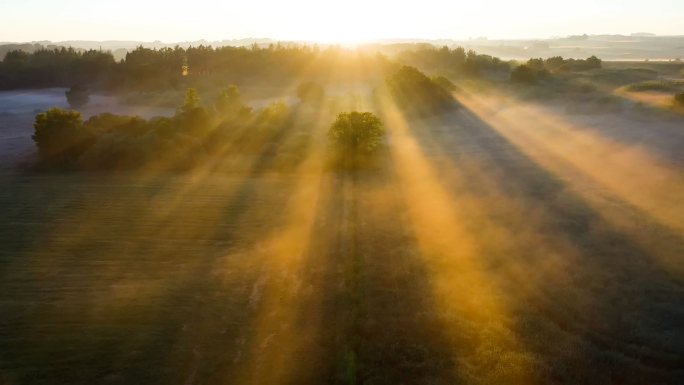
[(523, 75), (679, 100), (444, 83), (412, 90), (77, 96), (543, 74), (554, 63), (229, 101), (654, 85), (59, 135), (535, 64)]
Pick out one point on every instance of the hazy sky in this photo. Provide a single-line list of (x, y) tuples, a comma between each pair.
[(28, 20)]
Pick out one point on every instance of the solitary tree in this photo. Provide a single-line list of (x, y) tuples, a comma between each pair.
[(77, 96), (522, 75), (229, 101), (59, 135), (191, 100), (353, 136), (593, 62)]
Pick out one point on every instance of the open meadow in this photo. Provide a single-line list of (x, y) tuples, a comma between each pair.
[(502, 242)]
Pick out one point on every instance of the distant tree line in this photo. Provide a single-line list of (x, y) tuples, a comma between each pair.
[(148, 69), (455, 61), (54, 67), (540, 70)]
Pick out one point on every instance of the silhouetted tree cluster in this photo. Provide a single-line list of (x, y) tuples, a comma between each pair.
[(195, 135), (146, 69), (523, 74), (54, 68), (560, 65), (413, 91), (456, 60), (77, 96)]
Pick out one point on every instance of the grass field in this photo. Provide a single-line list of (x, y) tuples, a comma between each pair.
[(478, 252)]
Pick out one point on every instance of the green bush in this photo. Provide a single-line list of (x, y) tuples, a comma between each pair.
[(679, 100), (444, 83), (655, 85), (59, 135), (412, 90), (523, 75), (77, 96)]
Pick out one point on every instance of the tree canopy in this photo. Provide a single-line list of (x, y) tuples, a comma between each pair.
[(353, 136)]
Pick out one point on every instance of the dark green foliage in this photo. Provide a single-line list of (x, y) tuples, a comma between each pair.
[(554, 63), (353, 136), (59, 136), (564, 69), (679, 100), (310, 92), (229, 101), (191, 101), (681, 72), (655, 85), (444, 83), (413, 91), (543, 74), (54, 68), (454, 61), (77, 96), (535, 64), (523, 75), (592, 62)]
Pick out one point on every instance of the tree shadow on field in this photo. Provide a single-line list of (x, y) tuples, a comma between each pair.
[(613, 302), (398, 333), (105, 289)]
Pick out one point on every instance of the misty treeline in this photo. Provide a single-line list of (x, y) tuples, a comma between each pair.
[(146, 69), (276, 137), (195, 135), (455, 61)]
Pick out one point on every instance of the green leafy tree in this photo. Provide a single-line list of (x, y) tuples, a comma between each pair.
[(593, 62), (310, 92), (681, 72), (59, 135), (523, 75), (535, 64), (554, 63), (192, 100), (229, 101), (413, 90), (77, 96), (543, 74), (444, 83), (353, 136)]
